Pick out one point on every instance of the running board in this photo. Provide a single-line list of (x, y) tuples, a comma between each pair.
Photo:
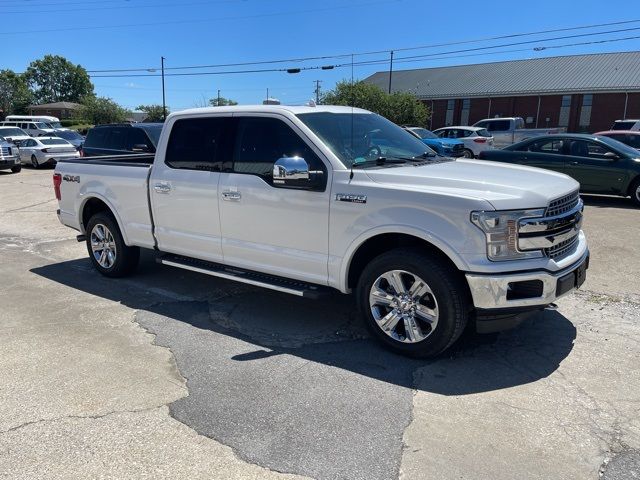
[(292, 287)]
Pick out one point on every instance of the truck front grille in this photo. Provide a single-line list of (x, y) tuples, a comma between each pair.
[(5, 151), (562, 249), (563, 204)]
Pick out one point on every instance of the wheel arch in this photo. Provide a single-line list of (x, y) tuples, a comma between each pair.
[(365, 249), (634, 181), (96, 204)]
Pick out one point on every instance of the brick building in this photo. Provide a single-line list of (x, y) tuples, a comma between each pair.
[(584, 93)]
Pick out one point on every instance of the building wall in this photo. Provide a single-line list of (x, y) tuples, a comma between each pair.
[(605, 109), (52, 112)]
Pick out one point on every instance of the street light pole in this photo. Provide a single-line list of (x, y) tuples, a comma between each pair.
[(218, 104), (390, 71), (164, 106)]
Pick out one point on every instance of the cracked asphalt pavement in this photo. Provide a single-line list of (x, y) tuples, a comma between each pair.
[(171, 374)]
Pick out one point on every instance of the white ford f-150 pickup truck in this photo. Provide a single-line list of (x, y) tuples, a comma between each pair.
[(306, 200)]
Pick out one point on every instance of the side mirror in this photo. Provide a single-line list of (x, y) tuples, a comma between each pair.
[(291, 172), (140, 147), (611, 156)]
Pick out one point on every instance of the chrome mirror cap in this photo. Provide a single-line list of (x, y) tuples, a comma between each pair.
[(293, 171)]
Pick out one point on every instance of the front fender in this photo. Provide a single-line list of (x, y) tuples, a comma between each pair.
[(429, 237)]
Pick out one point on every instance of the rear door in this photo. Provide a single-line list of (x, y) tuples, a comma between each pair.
[(184, 187), (273, 229), (596, 167), (501, 130)]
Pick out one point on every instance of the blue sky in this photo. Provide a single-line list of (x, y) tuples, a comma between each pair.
[(110, 34)]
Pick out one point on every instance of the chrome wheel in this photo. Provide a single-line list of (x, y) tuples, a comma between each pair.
[(403, 306), (638, 193), (103, 246)]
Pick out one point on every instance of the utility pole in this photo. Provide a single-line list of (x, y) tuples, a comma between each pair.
[(318, 82), (218, 104), (164, 106), (267, 93), (390, 70)]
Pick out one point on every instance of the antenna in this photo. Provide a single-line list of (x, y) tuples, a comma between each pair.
[(351, 101)]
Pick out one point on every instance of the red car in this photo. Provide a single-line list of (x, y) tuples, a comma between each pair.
[(629, 137)]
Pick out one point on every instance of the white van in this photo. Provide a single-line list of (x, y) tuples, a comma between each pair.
[(54, 122), (33, 128)]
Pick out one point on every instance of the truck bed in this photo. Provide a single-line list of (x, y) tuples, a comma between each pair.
[(120, 181)]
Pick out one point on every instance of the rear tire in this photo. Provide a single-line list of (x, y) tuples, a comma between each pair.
[(16, 169), (468, 153), (425, 319), (107, 250), (635, 192)]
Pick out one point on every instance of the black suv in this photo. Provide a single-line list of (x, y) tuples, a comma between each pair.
[(122, 139)]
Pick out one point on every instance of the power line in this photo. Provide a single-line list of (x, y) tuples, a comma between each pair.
[(348, 55), (115, 7), (208, 20), (440, 55)]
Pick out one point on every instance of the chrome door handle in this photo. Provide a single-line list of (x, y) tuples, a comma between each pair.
[(574, 163), (162, 188), (231, 196)]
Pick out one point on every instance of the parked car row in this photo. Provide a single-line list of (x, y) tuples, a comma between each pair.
[(599, 163)]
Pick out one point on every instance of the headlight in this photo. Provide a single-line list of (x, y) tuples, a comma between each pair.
[(501, 230)]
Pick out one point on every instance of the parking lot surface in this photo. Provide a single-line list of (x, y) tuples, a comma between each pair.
[(172, 374)]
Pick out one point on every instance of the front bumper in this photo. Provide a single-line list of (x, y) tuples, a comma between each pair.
[(9, 162), (528, 290)]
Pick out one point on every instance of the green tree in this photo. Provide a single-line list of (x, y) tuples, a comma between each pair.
[(400, 108), (154, 112), (222, 103), (56, 79), (15, 95), (100, 110)]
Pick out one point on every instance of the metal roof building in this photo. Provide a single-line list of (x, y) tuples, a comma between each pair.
[(537, 89)]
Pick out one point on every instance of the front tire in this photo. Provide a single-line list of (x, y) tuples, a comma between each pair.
[(34, 162), (16, 169), (415, 304), (635, 192), (107, 250)]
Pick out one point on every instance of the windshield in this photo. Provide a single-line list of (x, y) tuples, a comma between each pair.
[(54, 141), (423, 133), (42, 125), (54, 124), (69, 135), (625, 125), (621, 147), (154, 133), (9, 132), (358, 137), (483, 132)]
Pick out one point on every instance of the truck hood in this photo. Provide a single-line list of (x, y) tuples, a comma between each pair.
[(505, 186)]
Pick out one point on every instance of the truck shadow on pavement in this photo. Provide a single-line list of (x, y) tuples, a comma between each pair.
[(266, 324)]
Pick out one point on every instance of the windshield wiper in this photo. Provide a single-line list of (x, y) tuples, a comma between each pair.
[(380, 161)]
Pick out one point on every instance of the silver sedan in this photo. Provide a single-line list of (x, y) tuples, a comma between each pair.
[(46, 150)]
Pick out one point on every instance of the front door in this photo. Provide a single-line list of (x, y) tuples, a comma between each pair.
[(547, 153), (267, 228), (184, 187), (595, 166)]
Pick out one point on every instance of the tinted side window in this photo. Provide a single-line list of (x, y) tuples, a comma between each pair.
[(137, 136), (262, 141), (579, 148), (96, 138), (196, 143), (546, 146), (117, 139), (497, 125)]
